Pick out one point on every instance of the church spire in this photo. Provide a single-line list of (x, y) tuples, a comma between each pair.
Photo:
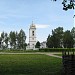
[(32, 23)]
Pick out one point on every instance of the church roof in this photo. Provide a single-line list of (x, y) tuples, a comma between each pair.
[(32, 25)]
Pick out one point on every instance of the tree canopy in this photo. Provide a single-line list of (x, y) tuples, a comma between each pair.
[(60, 38), (16, 40), (67, 4), (37, 44)]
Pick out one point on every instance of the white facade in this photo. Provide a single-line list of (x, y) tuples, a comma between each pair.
[(32, 36), (43, 45)]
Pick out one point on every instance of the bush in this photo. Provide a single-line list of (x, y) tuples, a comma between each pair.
[(56, 49)]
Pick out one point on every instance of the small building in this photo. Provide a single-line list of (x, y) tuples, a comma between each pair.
[(43, 44)]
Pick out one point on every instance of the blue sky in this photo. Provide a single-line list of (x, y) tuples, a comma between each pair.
[(47, 15)]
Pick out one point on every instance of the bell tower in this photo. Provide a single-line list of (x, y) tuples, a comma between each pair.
[(32, 36)]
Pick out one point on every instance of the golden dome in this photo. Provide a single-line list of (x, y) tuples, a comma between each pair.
[(32, 25)]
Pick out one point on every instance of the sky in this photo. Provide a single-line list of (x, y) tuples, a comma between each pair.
[(45, 14)]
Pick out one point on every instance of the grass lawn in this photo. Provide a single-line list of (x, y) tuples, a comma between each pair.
[(29, 64), (18, 51), (58, 54)]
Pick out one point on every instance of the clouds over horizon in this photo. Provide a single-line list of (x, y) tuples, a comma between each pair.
[(42, 26)]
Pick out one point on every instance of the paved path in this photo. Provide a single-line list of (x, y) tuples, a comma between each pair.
[(46, 53)]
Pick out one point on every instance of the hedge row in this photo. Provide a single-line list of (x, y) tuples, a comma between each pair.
[(56, 49)]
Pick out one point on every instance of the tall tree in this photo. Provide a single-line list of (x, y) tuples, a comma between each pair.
[(57, 36), (50, 41), (68, 41), (2, 37), (73, 34), (21, 39), (37, 44), (0, 42), (6, 39), (12, 36), (55, 39), (16, 43)]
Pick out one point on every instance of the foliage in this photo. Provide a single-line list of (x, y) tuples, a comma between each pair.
[(0, 41), (4, 40), (49, 41), (67, 4), (61, 39), (56, 49), (55, 40), (73, 33), (37, 44), (29, 64), (14, 39), (68, 41), (21, 39)]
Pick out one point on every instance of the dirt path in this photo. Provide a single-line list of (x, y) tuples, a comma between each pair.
[(53, 55)]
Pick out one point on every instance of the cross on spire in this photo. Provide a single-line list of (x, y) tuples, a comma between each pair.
[(32, 23)]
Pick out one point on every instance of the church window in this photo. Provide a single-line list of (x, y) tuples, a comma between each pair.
[(32, 33)]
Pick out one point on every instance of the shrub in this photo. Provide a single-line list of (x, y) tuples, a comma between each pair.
[(56, 49)]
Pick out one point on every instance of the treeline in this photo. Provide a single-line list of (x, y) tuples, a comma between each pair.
[(13, 40), (61, 38)]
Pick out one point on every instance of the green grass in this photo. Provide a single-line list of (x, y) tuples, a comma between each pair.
[(58, 54), (29, 64), (18, 51)]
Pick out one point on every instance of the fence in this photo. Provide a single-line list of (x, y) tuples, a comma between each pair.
[(68, 60)]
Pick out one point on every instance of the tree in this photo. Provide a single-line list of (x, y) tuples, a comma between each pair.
[(12, 37), (37, 44), (68, 41), (16, 43), (0, 42), (2, 37), (55, 39), (73, 34), (67, 4), (21, 40), (50, 42), (6, 39)]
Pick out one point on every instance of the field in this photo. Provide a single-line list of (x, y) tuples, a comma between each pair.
[(58, 54), (29, 64)]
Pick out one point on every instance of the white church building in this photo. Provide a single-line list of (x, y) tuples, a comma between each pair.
[(32, 38)]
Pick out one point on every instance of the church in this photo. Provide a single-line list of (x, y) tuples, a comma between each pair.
[(32, 38)]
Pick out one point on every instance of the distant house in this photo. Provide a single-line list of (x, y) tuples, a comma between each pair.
[(43, 44)]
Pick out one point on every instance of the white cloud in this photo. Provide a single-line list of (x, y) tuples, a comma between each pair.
[(41, 26)]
